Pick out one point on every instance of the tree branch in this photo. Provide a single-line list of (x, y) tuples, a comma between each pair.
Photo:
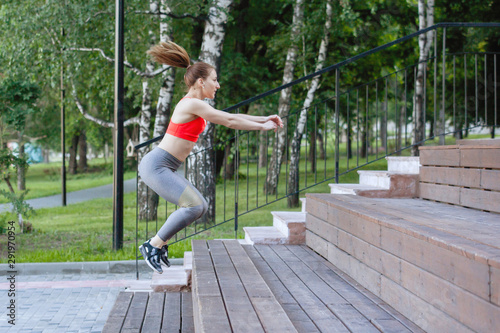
[(103, 123), (126, 63), (201, 18), (97, 14), (55, 41)]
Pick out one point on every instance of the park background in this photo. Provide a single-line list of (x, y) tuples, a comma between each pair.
[(51, 49)]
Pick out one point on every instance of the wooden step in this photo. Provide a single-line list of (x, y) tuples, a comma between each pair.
[(318, 299), (229, 294), (439, 265), (151, 312)]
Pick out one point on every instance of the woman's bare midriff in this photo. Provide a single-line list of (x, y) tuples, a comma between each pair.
[(178, 147)]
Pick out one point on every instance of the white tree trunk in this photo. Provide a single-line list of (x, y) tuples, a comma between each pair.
[(164, 105), (293, 178), (284, 101), (148, 199), (425, 19), (201, 163)]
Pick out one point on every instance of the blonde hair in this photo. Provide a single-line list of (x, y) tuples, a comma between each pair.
[(171, 54)]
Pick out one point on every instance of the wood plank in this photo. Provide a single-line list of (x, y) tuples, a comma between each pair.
[(361, 298), (154, 312), (213, 317), (270, 312), (239, 309), (171, 313), (203, 271), (187, 313), (135, 316), (351, 318), (322, 317), (207, 299), (274, 283), (117, 315), (299, 318)]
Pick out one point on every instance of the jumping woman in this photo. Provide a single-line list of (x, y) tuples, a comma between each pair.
[(158, 169)]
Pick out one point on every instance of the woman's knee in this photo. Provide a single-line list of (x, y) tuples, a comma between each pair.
[(200, 209)]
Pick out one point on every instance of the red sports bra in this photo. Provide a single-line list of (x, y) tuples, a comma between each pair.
[(188, 131)]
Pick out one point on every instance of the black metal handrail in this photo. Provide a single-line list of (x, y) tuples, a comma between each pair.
[(375, 116)]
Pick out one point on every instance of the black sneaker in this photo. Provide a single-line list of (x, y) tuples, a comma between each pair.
[(152, 256), (164, 255)]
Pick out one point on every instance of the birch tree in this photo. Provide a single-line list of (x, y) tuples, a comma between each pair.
[(147, 199), (425, 19), (284, 100), (293, 177), (201, 163)]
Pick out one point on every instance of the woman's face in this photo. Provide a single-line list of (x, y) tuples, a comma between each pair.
[(211, 85)]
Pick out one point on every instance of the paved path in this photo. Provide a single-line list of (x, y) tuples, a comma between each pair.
[(105, 191), (51, 301), (65, 302)]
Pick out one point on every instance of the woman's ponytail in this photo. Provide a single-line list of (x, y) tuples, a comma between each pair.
[(171, 54)]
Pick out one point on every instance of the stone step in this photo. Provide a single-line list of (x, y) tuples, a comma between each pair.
[(292, 225), (303, 204), (352, 189), (403, 164), (437, 264), (264, 235), (174, 278), (380, 179), (288, 228)]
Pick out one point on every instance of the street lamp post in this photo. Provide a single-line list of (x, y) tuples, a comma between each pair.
[(118, 130)]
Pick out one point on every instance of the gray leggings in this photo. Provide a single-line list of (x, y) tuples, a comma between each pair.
[(158, 169)]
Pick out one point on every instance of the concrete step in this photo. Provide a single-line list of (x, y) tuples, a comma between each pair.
[(380, 179), (264, 235), (403, 164), (292, 225), (288, 228), (174, 278), (303, 202), (352, 189)]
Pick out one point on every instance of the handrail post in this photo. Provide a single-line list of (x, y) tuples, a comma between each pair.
[(337, 129), (236, 183), (442, 112)]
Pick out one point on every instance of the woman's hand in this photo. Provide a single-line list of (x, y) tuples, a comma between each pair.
[(275, 119)]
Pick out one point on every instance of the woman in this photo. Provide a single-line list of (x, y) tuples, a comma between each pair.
[(158, 168)]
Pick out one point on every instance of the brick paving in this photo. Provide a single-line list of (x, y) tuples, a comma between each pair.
[(65, 302)]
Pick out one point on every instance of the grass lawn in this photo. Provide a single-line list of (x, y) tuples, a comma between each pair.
[(44, 179)]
